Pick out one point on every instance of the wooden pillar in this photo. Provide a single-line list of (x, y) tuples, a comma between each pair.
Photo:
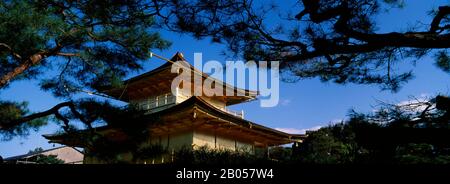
[(215, 137), (168, 140)]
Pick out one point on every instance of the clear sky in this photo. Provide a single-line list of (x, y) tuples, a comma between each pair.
[(306, 104)]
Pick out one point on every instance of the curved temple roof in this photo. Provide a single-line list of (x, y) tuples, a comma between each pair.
[(160, 79)]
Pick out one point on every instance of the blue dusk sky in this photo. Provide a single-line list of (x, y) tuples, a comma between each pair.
[(306, 104)]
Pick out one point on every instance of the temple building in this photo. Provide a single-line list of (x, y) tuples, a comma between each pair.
[(193, 121)]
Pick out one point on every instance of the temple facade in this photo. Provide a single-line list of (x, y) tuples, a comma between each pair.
[(193, 121)]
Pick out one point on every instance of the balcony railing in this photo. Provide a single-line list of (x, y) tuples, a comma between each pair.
[(160, 101), (156, 103), (235, 113)]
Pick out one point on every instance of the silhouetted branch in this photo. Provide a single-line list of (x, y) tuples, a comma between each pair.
[(52, 111)]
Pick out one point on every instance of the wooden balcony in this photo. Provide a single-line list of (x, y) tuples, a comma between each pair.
[(157, 103)]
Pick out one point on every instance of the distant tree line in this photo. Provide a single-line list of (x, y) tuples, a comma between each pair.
[(414, 133)]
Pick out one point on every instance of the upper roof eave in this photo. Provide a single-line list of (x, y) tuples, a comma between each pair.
[(177, 57)]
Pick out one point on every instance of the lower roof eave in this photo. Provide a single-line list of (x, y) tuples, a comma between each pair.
[(200, 104)]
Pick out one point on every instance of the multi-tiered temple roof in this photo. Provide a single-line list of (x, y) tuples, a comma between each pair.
[(181, 112)]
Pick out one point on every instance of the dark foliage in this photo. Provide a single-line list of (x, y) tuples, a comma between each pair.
[(10, 111), (69, 47), (332, 40), (129, 124), (48, 159), (205, 155), (44, 159), (395, 134)]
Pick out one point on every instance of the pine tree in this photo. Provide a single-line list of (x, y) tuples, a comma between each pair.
[(76, 44)]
